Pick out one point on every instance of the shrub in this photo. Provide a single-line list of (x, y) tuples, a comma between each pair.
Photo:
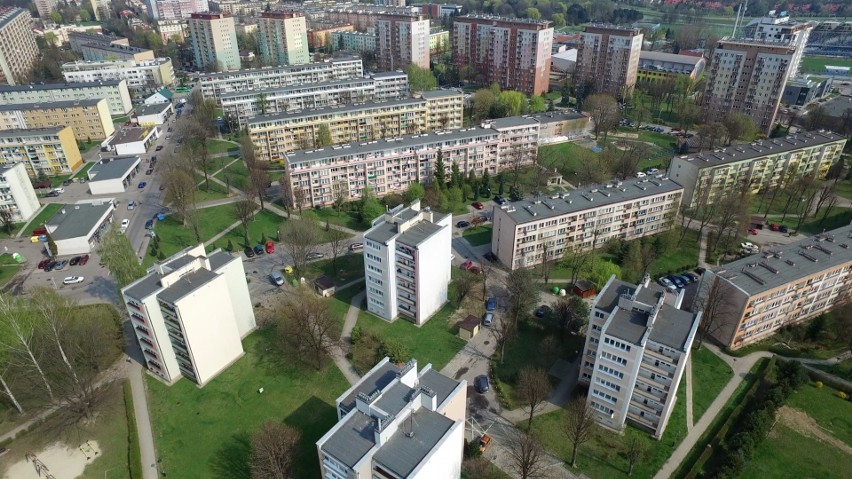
[(842, 395), (355, 336), (230, 246), (471, 449), (819, 384), (161, 256), (396, 351)]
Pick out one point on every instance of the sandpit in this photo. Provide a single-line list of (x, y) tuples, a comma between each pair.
[(62, 461)]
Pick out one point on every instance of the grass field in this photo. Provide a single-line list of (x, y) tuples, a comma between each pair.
[(264, 223), (788, 453), (174, 236), (844, 189), (83, 172), (205, 432), (8, 268), (211, 191), (235, 175), (478, 236), (565, 157), (842, 369), (710, 374), (817, 64), (215, 147), (836, 218), (345, 218), (681, 258), (829, 411), (349, 267)]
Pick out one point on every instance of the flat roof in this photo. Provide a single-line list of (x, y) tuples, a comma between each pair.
[(530, 211), (277, 69), (512, 121), (369, 105), (668, 57), (16, 132), (186, 285), (497, 18), (130, 135), (431, 95), (442, 385), (389, 74), (760, 148), (380, 378), (58, 86), (299, 86), (837, 106), (780, 265), (114, 47), (116, 168), (418, 233), (74, 221), (628, 325), (554, 116), (672, 327), (154, 109), (50, 105), (415, 438), (144, 287), (352, 440)]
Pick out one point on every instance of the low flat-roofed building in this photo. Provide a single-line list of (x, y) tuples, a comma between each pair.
[(78, 228), (16, 193), (561, 126), (134, 140), (112, 176), (661, 66), (100, 52), (156, 114), (802, 90), (78, 39), (163, 95), (50, 151), (90, 120)]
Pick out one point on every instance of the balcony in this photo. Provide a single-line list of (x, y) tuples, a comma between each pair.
[(641, 420)]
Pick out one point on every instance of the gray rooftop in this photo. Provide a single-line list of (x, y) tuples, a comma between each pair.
[(366, 106), (114, 47), (144, 287), (553, 116), (628, 325), (295, 88), (154, 109), (499, 19), (187, 285), (389, 74), (431, 95), (352, 440), (760, 148), (78, 220), (419, 233), (513, 121), (25, 132), (369, 384), (58, 86), (442, 385), (413, 441), (672, 327), (837, 106), (220, 258), (50, 105), (277, 70), (394, 398), (668, 57), (116, 168), (10, 13), (95, 36), (382, 232), (528, 211), (130, 135), (778, 266)]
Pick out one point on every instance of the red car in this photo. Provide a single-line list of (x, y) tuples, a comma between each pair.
[(775, 227), (754, 231), (478, 205), (270, 247), (43, 263), (466, 265), (83, 260)]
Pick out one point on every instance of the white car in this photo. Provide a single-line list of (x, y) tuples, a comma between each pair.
[(73, 280), (653, 171), (750, 247), (640, 174), (124, 224), (59, 190)]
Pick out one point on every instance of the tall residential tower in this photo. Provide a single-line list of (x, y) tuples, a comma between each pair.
[(283, 38), (18, 49), (214, 42), (608, 59)]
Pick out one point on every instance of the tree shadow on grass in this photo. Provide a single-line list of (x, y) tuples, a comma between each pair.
[(313, 419), (232, 459)]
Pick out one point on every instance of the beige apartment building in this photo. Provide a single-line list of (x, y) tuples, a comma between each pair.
[(764, 164), (402, 40), (526, 232), (275, 135), (51, 151), (79, 39), (214, 42), (100, 52), (18, 49), (141, 76), (608, 59), (363, 16), (751, 298), (114, 91), (283, 38), (89, 119)]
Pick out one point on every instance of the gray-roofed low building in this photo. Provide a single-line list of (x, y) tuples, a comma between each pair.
[(78, 228), (112, 176)]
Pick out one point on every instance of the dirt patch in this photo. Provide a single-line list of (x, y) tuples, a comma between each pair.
[(62, 461), (800, 422)]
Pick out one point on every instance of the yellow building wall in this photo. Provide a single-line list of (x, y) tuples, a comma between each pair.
[(73, 158)]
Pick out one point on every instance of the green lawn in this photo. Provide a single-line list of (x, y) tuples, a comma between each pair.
[(681, 257), (829, 411), (83, 172), (205, 432), (218, 146), (787, 453), (4, 233), (563, 156), (347, 218), (710, 374), (210, 191), (478, 236), (816, 64), (264, 223), (349, 267), (842, 369), (56, 181), (836, 218), (174, 236), (844, 189), (603, 456), (339, 303), (38, 220), (8, 268), (235, 175)]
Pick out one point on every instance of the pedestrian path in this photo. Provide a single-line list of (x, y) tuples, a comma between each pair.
[(689, 381), (339, 353)]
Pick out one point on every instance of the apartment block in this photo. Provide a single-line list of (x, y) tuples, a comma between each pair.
[(274, 135), (79, 39), (660, 66), (747, 77), (363, 17), (526, 232), (402, 40), (755, 296), (407, 254), (319, 35), (242, 106), (608, 59), (98, 52), (50, 151), (711, 175), (283, 38), (437, 11), (214, 42), (239, 8), (141, 76), (45, 8), (173, 9), (513, 52), (173, 29), (89, 119), (637, 347), (397, 422), (359, 42), (17, 195), (189, 314), (439, 41), (115, 92), (777, 28), (214, 85), (18, 49)]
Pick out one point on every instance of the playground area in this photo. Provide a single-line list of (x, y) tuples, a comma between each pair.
[(57, 461)]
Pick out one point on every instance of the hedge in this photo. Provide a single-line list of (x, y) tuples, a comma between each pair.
[(134, 454)]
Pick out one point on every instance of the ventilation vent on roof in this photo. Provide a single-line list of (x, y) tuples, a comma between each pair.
[(530, 210), (770, 268), (790, 262), (823, 249), (754, 277), (806, 255), (844, 245)]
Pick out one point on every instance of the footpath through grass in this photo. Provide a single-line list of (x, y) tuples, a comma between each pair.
[(829, 411), (709, 375), (346, 218), (205, 432)]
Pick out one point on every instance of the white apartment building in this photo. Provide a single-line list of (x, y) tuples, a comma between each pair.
[(18, 49), (141, 76), (526, 232), (637, 347), (172, 9), (397, 423), (115, 92), (239, 107), (781, 286), (189, 314), (275, 135), (214, 42), (283, 38), (78, 39), (214, 85), (402, 40), (45, 8), (16, 193), (170, 29), (359, 42), (407, 254), (239, 8), (710, 175), (608, 59), (777, 28)]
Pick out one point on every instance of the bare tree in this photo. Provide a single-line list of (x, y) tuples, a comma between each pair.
[(180, 186), (19, 329), (571, 314), (273, 451), (307, 328), (533, 388), (285, 191), (7, 220), (340, 192), (603, 110), (522, 293), (463, 284), (579, 425), (338, 244), (634, 452), (5, 361), (244, 212), (715, 309), (299, 197), (56, 312), (593, 168), (258, 176), (504, 330), (299, 239), (526, 455), (576, 261)]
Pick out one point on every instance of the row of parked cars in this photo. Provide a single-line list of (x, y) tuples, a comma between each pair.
[(58, 265), (679, 280)]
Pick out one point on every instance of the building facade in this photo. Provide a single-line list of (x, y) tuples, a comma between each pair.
[(659, 66), (214, 85), (275, 135), (777, 28), (637, 347), (608, 59), (319, 36), (78, 39), (213, 39), (513, 52), (89, 119), (45, 8), (176, 29), (747, 77), (363, 17), (525, 233), (50, 151), (402, 40), (359, 42), (78, 228), (283, 38), (803, 90), (141, 76), (765, 164), (407, 254), (17, 195), (239, 8), (173, 9), (98, 52), (753, 297), (115, 92), (189, 314), (18, 49), (397, 422)]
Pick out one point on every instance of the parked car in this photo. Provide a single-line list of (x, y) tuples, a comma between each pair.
[(783, 228), (49, 266), (149, 224), (466, 265), (542, 311), (59, 190), (685, 278), (73, 280), (488, 320), (640, 174), (665, 282), (131, 205), (490, 304), (490, 257), (67, 182), (74, 261), (258, 250), (314, 255), (653, 171), (141, 185), (356, 246), (249, 252), (43, 263), (124, 224), (158, 148), (149, 171), (61, 265), (677, 281), (700, 270), (270, 247), (276, 278), (694, 277), (753, 231), (478, 205), (475, 270), (750, 247), (775, 227), (500, 200), (480, 383), (462, 224), (83, 260), (52, 194)]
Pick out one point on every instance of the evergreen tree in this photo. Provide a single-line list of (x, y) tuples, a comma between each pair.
[(501, 183), (440, 171), (455, 176)]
